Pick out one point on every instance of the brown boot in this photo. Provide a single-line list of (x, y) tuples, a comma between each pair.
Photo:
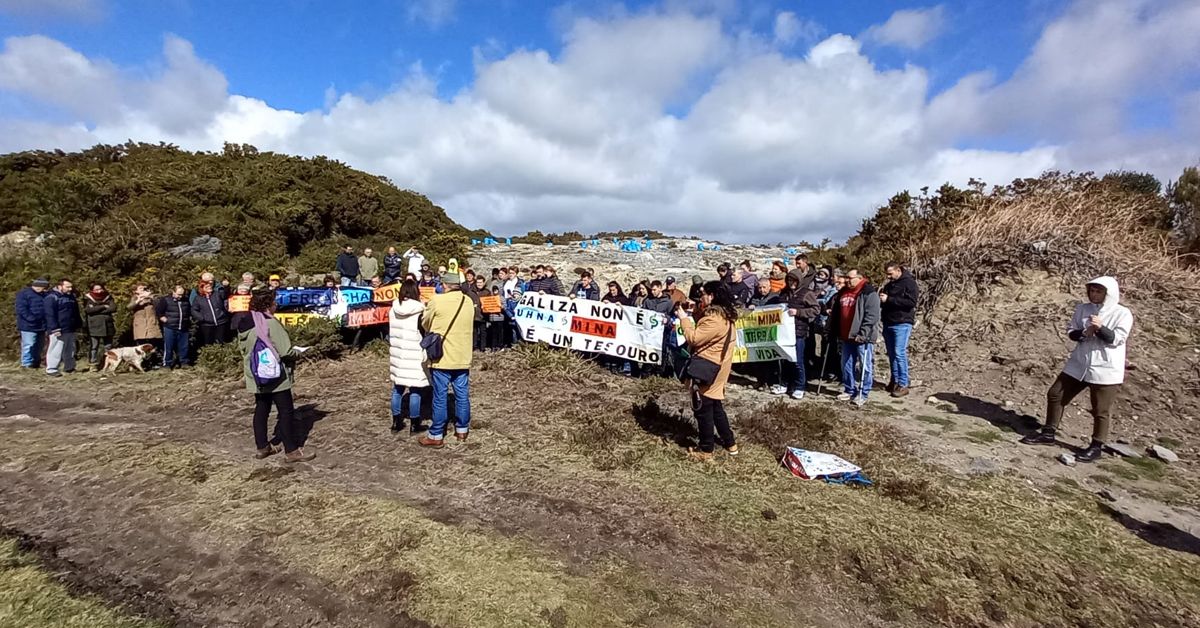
[(890, 387), (266, 451), (298, 455), (900, 391), (462, 437), (425, 441), (700, 456)]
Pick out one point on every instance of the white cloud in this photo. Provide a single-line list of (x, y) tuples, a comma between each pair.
[(791, 29), (909, 28), (664, 120), (435, 13)]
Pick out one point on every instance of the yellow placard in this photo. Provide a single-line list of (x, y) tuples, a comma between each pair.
[(239, 303), (427, 293)]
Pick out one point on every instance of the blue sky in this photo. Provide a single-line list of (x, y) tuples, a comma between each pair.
[(519, 115)]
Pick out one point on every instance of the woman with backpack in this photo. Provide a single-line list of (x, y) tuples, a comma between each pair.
[(266, 346), (406, 359), (711, 341)]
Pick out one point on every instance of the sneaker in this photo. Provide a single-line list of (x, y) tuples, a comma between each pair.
[(844, 397), (461, 436), (900, 391), (797, 394), (298, 455), (435, 443), (1091, 454), (778, 390), (266, 451), (732, 449), (1044, 437), (54, 373), (860, 401)]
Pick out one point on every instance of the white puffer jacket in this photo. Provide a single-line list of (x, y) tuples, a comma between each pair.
[(1093, 360), (406, 358)]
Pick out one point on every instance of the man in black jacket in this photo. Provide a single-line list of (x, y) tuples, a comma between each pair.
[(175, 315), (393, 266), (347, 266), (898, 302)]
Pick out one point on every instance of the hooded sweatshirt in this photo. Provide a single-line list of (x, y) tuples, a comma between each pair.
[(1100, 359)]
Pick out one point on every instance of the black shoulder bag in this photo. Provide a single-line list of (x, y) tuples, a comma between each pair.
[(432, 342), (703, 371)]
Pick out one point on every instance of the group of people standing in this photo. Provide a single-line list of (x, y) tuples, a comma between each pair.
[(51, 317)]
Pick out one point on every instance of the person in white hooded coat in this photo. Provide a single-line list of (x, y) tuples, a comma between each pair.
[(1100, 328), (406, 359)]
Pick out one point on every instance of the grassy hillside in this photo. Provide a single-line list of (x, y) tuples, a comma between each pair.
[(113, 212)]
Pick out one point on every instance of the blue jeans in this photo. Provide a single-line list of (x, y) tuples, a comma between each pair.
[(799, 377), (414, 400), (895, 337), (857, 360), (443, 380), (31, 348), (175, 347)]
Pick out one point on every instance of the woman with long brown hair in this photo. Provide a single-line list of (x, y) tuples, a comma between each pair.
[(711, 341)]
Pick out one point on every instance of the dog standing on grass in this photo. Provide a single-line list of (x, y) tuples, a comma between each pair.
[(132, 356)]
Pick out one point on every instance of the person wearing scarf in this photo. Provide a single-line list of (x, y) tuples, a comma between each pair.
[(99, 307), (290, 431)]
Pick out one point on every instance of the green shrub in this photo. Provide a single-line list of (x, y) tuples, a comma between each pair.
[(221, 360), (323, 336)]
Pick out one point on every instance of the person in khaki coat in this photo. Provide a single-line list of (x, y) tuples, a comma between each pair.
[(145, 323), (452, 315), (713, 338)]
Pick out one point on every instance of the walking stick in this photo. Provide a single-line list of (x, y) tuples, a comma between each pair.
[(862, 382), (824, 362)]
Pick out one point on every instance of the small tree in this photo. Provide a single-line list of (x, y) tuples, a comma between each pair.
[(1184, 196)]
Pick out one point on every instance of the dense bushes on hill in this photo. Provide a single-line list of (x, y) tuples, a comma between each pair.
[(112, 213)]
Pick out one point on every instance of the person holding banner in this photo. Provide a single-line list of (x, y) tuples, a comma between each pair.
[(450, 315), (406, 359), (802, 305), (711, 342)]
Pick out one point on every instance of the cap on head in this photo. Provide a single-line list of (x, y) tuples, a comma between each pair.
[(670, 280), (452, 279), (274, 278), (41, 282)]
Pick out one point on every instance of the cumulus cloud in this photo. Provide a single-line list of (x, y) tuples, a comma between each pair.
[(662, 120), (909, 28), (791, 29)]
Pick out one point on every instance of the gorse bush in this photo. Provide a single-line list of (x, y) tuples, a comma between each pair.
[(221, 360), (112, 213), (322, 336)]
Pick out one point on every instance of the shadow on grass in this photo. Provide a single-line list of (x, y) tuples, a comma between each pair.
[(654, 420), (1156, 532), (997, 415)]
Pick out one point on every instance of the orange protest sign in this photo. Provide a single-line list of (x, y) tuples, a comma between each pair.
[(386, 294), (490, 304), (239, 303), (427, 293), (375, 315)]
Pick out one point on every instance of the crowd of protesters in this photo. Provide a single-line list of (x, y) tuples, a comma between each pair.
[(839, 317)]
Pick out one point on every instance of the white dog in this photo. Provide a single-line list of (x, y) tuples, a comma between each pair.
[(132, 356)]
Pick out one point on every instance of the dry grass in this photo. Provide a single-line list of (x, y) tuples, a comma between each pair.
[(30, 597)]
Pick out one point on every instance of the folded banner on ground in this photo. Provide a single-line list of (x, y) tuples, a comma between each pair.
[(490, 304), (591, 326), (764, 334), (367, 316)]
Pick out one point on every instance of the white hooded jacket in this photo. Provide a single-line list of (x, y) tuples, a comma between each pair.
[(406, 358), (1093, 360)]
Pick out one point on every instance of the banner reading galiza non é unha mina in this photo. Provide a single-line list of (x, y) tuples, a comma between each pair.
[(592, 326)]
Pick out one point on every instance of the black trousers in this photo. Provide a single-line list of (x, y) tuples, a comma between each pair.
[(97, 347), (711, 417), (209, 335), (288, 429), (495, 334), (479, 337)]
